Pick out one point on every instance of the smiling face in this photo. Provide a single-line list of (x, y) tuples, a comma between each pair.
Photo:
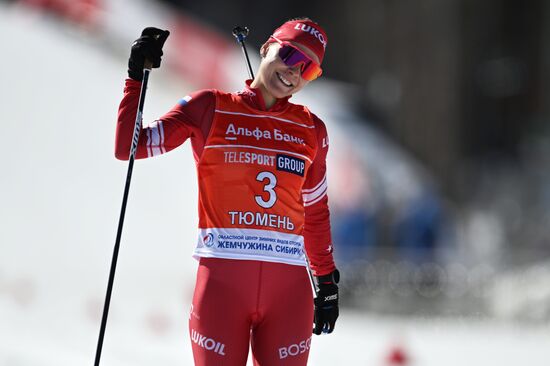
[(275, 79)]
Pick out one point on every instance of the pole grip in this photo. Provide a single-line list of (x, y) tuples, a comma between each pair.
[(240, 33)]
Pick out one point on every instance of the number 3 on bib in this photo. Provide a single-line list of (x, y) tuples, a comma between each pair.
[(271, 183)]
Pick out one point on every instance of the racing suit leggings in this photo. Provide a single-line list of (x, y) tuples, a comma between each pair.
[(241, 303)]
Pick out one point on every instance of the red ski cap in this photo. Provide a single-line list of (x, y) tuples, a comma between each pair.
[(304, 32)]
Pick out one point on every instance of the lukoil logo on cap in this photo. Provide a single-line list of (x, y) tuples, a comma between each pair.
[(313, 31)]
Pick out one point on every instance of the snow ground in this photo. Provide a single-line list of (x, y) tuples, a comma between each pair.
[(60, 195)]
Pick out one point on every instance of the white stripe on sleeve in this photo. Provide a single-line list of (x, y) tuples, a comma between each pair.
[(320, 197), (311, 196), (323, 181), (155, 139)]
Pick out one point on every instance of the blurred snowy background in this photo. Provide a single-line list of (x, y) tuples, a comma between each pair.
[(439, 178)]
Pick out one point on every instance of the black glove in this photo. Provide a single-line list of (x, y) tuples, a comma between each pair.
[(146, 47), (326, 303)]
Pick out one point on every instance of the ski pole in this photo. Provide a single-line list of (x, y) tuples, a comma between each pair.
[(241, 33), (135, 138)]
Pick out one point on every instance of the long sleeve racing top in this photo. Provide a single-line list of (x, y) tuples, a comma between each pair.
[(262, 173)]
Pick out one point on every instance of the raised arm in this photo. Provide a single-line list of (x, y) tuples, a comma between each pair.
[(191, 117)]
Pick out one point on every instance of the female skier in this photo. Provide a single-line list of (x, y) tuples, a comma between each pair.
[(263, 206)]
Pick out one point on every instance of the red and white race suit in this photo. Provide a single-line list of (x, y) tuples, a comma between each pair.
[(262, 207)]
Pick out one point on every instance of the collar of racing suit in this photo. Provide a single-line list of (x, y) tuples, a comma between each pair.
[(254, 98)]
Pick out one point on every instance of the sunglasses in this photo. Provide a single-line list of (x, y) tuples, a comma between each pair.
[(293, 56)]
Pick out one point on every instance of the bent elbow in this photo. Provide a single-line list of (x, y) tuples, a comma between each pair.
[(122, 154)]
